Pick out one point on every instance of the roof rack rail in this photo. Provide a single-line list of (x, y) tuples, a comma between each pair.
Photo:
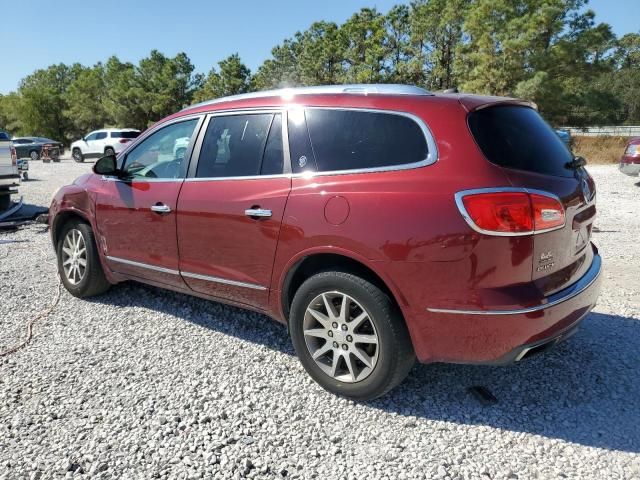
[(355, 89)]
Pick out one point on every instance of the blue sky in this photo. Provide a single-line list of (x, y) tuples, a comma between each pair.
[(208, 31)]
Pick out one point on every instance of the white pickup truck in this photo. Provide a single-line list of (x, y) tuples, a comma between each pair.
[(9, 175)]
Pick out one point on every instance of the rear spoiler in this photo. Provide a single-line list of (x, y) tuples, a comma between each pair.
[(473, 103)]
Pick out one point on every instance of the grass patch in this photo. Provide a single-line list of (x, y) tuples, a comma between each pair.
[(599, 150)]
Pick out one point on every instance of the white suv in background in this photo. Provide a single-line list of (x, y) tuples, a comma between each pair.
[(107, 141)]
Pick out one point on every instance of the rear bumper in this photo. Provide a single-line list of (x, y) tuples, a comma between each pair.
[(504, 336), (629, 168)]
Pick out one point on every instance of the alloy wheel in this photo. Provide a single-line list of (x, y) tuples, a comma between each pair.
[(74, 256), (341, 337)]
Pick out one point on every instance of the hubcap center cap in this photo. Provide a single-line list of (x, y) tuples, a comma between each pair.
[(339, 335)]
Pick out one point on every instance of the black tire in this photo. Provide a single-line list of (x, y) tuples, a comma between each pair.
[(395, 355), (109, 151), (93, 281), (77, 155), (5, 202), (34, 155)]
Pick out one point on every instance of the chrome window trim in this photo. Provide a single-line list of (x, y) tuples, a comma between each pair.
[(210, 278), (463, 211), (432, 148), (562, 296), (197, 148), (142, 265)]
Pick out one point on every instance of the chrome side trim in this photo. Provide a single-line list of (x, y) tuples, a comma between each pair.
[(568, 293), (460, 204), (197, 276), (235, 283), (357, 89), (143, 265)]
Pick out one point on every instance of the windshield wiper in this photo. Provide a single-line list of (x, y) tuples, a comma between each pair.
[(576, 163)]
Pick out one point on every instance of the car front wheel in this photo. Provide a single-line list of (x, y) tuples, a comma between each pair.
[(78, 262), (350, 336), (34, 155)]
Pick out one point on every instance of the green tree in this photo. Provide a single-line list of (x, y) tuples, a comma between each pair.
[(365, 40), (85, 102), (9, 113), (43, 101), (282, 69), (234, 78)]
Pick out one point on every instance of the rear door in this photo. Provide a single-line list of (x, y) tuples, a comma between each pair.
[(136, 214), (231, 207), (532, 156)]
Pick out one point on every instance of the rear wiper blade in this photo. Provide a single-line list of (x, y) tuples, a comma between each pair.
[(576, 163)]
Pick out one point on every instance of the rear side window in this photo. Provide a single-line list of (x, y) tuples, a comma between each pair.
[(125, 134), (101, 135), (235, 145), (351, 139), (517, 137)]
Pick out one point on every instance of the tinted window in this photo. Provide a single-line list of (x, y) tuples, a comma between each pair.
[(125, 134), (101, 135), (302, 158), (347, 140), (518, 137), (273, 159), (161, 154), (233, 146)]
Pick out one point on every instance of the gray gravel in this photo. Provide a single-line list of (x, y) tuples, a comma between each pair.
[(142, 383)]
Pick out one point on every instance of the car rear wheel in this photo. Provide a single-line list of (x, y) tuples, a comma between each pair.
[(78, 262), (350, 336), (77, 155), (109, 151), (34, 155)]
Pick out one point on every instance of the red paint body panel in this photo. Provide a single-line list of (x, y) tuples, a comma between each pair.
[(217, 239), (403, 225), (128, 229)]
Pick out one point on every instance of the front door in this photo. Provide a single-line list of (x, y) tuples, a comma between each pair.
[(231, 208), (136, 213)]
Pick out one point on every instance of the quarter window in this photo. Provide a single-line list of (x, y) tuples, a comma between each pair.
[(241, 146), (161, 154), (351, 139)]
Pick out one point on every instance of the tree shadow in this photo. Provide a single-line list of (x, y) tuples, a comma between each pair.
[(585, 390)]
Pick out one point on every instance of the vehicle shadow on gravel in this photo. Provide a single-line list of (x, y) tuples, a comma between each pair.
[(585, 391)]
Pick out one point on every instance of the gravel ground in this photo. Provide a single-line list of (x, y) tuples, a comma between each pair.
[(141, 383)]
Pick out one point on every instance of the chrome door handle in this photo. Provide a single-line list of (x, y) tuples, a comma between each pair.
[(257, 212), (160, 208)]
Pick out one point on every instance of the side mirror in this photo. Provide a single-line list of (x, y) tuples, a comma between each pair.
[(106, 165)]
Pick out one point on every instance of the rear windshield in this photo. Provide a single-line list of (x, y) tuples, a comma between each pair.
[(517, 137), (125, 134)]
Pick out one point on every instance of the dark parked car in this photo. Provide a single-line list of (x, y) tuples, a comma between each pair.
[(630, 161), (32, 146), (380, 222)]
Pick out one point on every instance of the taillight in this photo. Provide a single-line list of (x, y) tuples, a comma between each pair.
[(510, 211), (124, 140), (14, 156)]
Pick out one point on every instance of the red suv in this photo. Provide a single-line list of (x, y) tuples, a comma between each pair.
[(630, 161), (380, 222)]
